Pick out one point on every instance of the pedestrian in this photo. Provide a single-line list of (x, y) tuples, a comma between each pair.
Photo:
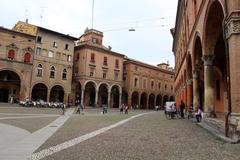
[(81, 107), (126, 109), (63, 109), (198, 114), (121, 108), (182, 107)]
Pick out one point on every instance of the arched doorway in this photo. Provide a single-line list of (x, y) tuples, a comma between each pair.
[(9, 85), (57, 94), (151, 101), (215, 59), (115, 96), (159, 101), (39, 91), (135, 99), (165, 99), (198, 75), (171, 98), (143, 101), (103, 94), (124, 97), (89, 95)]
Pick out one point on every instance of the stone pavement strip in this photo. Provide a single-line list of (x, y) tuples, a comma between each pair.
[(47, 152), (23, 149), (10, 134)]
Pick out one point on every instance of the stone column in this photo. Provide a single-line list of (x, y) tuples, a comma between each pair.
[(208, 83), (82, 97), (196, 95), (48, 95), (233, 38), (109, 98), (189, 92), (120, 99), (96, 99)]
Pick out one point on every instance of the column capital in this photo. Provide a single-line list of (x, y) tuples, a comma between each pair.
[(195, 73), (208, 59), (189, 82), (233, 24)]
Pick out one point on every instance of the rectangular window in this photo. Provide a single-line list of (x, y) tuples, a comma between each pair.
[(55, 44), (116, 76), (76, 70), (92, 58), (104, 75), (38, 51), (144, 83), (66, 46), (159, 86), (69, 58), (135, 82), (152, 84), (116, 63), (50, 54), (39, 39), (105, 61), (77, 57), (91, 74)]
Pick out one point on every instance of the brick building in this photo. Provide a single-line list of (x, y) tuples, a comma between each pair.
[(52, 63), (97, 71), (206, 37), (16, 63), (44, 64), (146, 86)]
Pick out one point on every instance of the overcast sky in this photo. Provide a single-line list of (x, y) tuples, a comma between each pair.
[(152, 20)]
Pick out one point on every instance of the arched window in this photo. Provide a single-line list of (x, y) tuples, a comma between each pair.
[(52, 72), (11, 54), (27, 57), (64, 74), (39, 70)]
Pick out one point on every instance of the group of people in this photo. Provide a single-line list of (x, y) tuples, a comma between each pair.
[(198, 112), (125, 108)]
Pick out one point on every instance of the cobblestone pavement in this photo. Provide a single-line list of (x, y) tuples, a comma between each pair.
[(152, 137)]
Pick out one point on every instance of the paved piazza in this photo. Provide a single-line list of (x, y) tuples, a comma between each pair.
[(37, 133)]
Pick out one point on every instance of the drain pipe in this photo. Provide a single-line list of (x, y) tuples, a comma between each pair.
[(228, 72)]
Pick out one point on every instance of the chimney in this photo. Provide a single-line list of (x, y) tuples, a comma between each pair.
[(26, 20)]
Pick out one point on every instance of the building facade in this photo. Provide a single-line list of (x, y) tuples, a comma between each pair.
[(16, 63), (206, 38), (52, 63), (146, 86), (97, 72)]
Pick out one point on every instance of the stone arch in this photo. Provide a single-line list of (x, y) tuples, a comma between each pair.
[(103, 94), (86, 82), (215, 58), (165, 99), (135, 99), (90, 93), (151, 101), (144, 101), (212, 25), (57, 94), (39, 92), (124, 97), (159, 101), (114, 97), (119, 87), (10, 85)]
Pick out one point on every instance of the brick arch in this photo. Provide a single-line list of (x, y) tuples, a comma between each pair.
[(210, 34)]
